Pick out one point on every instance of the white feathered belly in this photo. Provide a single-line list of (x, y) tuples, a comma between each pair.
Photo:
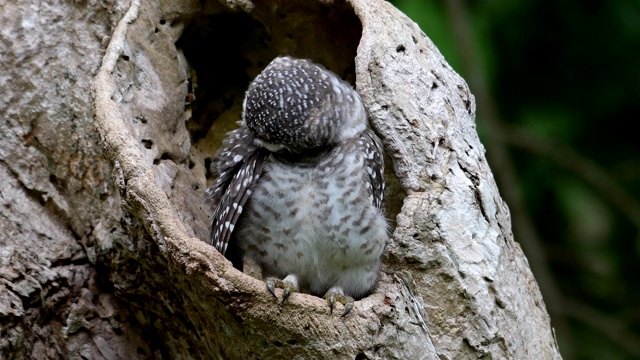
[(317, 224)]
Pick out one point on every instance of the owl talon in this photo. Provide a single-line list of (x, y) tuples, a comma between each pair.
[(332, 302), (286, 294), (289, 285), (270, 286), (336, 294), (348, 306)]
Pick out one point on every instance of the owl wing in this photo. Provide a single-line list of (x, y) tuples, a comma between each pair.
[(238, 165), (374, 165)]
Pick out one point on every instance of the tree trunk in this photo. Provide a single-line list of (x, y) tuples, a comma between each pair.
[(101, 249)]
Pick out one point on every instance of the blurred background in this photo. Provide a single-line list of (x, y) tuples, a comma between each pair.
[(557, 86)]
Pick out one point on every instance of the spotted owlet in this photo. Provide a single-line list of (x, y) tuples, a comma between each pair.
[(300, 185)]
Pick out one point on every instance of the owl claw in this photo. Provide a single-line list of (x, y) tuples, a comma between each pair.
[(286, 294), (332, 302), (289, 285), (334, 295), (270, 284), (348, 306)]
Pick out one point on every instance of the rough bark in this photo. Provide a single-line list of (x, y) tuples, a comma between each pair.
[(57, 202), (101, 254)]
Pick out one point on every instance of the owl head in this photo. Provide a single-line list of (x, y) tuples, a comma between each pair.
[(295, 104)]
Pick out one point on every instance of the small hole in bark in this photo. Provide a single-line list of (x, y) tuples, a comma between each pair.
[(156, 30), (148, 144), (361, 356), (292, 342), (277, 343), (400, 48), (165, 156), (125, 58), (163, 21)]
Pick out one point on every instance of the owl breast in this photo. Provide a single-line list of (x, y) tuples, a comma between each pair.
[(317, 221)]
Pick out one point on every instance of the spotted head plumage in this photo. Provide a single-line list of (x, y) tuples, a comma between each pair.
[(296, 103)]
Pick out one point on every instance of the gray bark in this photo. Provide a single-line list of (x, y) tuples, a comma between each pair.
[(102, 252)]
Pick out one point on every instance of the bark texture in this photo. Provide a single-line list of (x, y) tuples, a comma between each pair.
[(102, 254), (57, 202)]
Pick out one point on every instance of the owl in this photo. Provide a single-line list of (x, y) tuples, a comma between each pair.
[(300, 186)]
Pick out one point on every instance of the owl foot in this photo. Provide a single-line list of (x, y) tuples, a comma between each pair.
[(288, 284), (335, 294)]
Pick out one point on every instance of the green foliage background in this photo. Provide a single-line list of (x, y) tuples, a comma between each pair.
[(558, 91)]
